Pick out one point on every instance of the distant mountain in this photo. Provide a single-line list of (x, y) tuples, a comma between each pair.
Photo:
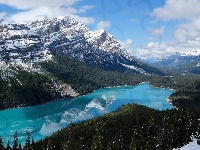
[(184, 62), (195, 52), (25, 44)]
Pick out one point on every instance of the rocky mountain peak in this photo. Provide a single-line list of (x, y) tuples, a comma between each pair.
[(41, 18), (27, 42)]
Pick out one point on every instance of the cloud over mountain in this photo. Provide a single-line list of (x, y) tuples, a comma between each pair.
[(185, 34), (30, 10)]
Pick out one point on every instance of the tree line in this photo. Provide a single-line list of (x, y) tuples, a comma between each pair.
[(129, 127), (31, 88)]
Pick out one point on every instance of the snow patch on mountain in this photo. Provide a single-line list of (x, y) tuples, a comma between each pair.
[(22, 43), (134, 68), (191, 146), (198, 64), (195, 52), (41, 18), (30, 66)]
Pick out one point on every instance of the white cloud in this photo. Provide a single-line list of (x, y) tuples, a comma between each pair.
[(27, 4), (126, 44), (48, 8), (86, 20), (177, 9), (130, 51), (84, 8), (143, 53), (2, 15), (185, 35), (103, 25), (187, 31), (155, 50), (49, 13), (32, 14), (165, 49), (156, 31), (198, 39)]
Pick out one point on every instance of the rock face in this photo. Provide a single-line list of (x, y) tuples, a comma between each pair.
[(26, 43)]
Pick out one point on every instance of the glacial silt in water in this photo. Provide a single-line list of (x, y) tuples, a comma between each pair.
[(43, 120)]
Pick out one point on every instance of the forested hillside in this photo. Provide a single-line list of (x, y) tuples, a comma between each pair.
[(85, 78), (24, 88), (36, 41), (130, 127)]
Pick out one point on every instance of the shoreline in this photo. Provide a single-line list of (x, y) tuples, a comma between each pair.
[(170, 102), (124, 85), (167, 99)]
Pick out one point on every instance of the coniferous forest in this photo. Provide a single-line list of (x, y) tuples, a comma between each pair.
[(65, 62), (130, 127), (84, 78)]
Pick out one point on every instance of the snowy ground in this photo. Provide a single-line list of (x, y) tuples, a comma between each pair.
[(191, 146)]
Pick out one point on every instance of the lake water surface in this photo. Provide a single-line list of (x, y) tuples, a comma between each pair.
[(43, 120)]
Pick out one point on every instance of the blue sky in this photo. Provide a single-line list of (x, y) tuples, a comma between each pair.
[(145, 28)]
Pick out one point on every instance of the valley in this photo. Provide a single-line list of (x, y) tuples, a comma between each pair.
[(60, 61), (184, 63), (45, 119)]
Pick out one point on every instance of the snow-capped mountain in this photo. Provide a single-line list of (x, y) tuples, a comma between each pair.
[(187, 62), (195, 52), (26, 43)]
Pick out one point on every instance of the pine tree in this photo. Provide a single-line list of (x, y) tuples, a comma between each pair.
[(1, 144), (121, 142), (150, 132), (33, 144), (8, 146), (49, 145), (109, 146), (69, 144), (170, 148), (133, 144), (28, 143), (96, 141), (43, 147), (20, 146), (15, 142), (137, 134)]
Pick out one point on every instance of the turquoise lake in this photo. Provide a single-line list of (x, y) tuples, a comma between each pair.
[(43, 120)]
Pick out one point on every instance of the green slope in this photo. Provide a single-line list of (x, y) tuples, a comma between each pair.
[(35, 88), (130, 127)]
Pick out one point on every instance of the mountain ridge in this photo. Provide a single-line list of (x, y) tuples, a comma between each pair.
[(61, 58), (183, 62), (37, 40)]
